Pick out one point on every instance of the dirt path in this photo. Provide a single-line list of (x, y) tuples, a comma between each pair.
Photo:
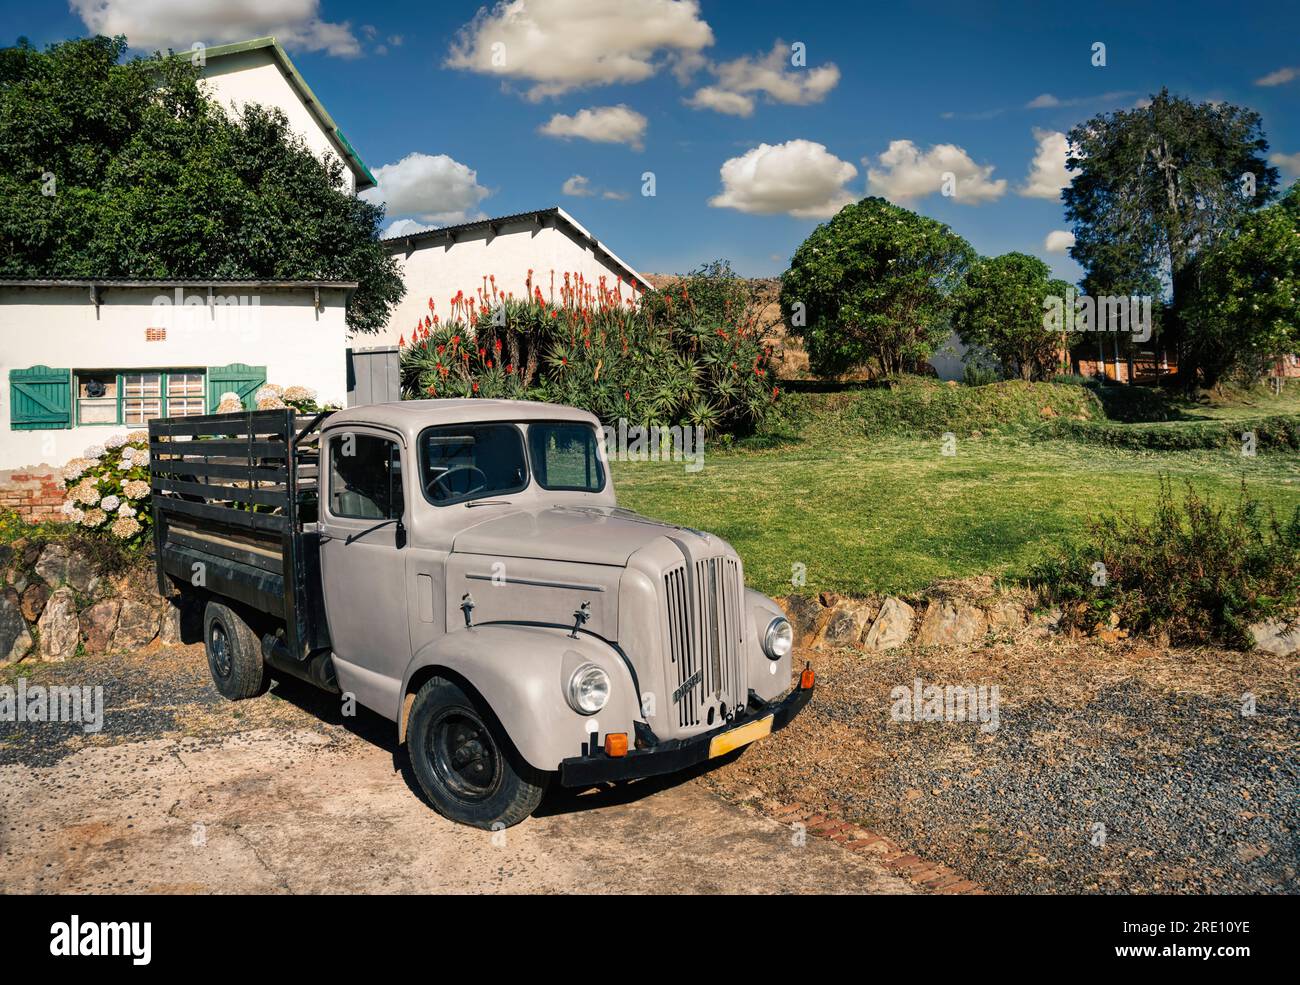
[(269, 797)]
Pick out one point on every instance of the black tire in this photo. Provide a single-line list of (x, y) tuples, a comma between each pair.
[(466, 767), (234, 653)]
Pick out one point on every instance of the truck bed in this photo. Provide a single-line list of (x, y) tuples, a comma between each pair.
[(235, 499)]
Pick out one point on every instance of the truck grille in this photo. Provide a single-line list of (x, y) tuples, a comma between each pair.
[(705, 632)]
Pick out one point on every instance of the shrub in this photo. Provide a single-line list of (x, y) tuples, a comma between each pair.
[(108, 489), (924, 408), (685, 354), (1278, 433), (1195, 571), (977, 375)]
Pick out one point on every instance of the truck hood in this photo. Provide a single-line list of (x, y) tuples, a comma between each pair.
[(582, 534)]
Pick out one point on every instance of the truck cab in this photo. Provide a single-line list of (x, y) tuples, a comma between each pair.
[(467, 573)]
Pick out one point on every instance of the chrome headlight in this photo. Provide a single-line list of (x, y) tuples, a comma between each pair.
[(588, 689), (779, 638)]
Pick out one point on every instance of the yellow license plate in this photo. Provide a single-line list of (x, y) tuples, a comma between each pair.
[(722, 744)]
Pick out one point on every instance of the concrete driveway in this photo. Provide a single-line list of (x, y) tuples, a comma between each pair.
[(296, 811)]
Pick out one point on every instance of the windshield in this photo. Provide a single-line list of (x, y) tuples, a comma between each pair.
[(470, 461), (461, 462), (564, 457)]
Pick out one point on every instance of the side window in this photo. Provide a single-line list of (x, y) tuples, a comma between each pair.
[(365, 477)]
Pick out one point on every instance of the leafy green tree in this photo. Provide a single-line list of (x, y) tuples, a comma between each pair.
[(999, 308), (1244, 306), (872, 285), (113, 168), (1154, 186)]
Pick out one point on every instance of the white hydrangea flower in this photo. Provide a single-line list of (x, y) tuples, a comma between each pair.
[(128, 453), (126, 509), (109, 503), (116, 441), (68, 507), (95, 451)]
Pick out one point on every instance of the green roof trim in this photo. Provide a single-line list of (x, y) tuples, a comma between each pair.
[(364, 178)]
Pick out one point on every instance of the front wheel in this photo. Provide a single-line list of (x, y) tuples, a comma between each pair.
[(466, 768)]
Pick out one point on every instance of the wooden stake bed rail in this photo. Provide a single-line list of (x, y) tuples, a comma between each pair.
[(235, 500)]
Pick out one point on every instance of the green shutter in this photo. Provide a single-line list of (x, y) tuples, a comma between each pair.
[(40, 398), (235, 378)]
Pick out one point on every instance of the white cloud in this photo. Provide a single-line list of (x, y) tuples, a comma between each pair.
[(433, 189), (1290, 163), (731, 103), (404, 227), (905, 173), (799, 178), (1045, 101), (155, 24), (1047, 171), (772, 75), (1058, 241), (1281, 77), (603, 124), (561, 45), (578, 186)]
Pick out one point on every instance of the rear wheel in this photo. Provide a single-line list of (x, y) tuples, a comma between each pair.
[(234, 653), (463, 763)]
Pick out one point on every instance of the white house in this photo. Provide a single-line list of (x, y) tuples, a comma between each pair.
[(260, 71), (86, 359), (437, 263), (83, 359)]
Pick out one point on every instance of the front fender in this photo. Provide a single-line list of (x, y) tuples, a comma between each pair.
[(521, 672), (767, 678)]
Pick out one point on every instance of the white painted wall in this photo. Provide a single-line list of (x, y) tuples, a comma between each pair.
[(59, 327), (436, 269), (255, 76)]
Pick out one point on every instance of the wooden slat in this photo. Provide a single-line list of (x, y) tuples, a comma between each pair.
[(223, 514), (244, 449), (219, 470), (230, 494), (207, 543)]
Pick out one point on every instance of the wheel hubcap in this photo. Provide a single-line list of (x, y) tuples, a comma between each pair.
[(464, 755), (219, 650)]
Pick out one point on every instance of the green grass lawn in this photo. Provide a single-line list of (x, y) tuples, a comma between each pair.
[(892, 514)]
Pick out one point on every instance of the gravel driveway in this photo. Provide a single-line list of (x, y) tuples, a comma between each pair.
[(183, 792)]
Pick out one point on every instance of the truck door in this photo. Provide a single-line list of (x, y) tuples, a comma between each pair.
[(363, 524)]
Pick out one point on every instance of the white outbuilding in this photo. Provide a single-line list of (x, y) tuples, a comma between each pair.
[(438, 263)]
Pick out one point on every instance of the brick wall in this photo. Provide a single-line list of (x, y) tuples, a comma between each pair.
[(34, 494)]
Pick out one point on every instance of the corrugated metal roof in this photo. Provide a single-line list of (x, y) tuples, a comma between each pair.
[(172, 282), (537, 215)]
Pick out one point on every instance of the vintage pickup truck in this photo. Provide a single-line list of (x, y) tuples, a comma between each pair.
[(462, 568)]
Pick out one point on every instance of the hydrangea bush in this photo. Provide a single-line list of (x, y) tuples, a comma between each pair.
[(108, 488)]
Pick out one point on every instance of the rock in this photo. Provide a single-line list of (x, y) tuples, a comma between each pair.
[(1005, 616), (15, 640), (848, 623), (1277, 636), (34, 601), (828, 599), (58, 566), (99, 623), (16, 580), (804, 614), (60, 630), (947, 623), (892, 626), (137, 625), (1044, 623)]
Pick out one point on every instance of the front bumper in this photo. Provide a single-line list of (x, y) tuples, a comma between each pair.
[(672, 755)]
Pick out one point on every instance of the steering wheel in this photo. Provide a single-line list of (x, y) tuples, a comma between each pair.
[(431, 487)]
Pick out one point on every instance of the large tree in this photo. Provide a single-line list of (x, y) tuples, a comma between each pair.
[(113, 168), (871, 286), (999, 308), (1155, 186), (1244, 307)]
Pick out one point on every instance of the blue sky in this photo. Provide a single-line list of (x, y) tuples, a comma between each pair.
[(415, 83)]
